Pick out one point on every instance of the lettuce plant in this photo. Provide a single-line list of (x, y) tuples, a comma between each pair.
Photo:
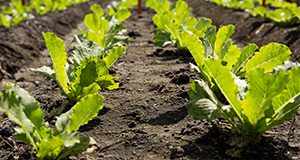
[(171, 20), (254, 91), (106, 30), (85, 73), (44, 6), (49, 143), (168, 20)]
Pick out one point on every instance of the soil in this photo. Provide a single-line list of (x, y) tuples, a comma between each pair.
[(146, 117)]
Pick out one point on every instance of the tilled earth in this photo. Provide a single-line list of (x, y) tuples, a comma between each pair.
[(145, 118)]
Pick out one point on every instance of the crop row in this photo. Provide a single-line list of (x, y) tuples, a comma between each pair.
[(18, 12), (253, 88), (79, 76), (279, 11)]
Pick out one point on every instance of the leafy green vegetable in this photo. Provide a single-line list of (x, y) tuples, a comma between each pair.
[(246, 54), (253, 91), (159, 6), (86, 74), (94, 51), (56, 48), (25, 111), (106, 30), (172, 20), (168, 20)]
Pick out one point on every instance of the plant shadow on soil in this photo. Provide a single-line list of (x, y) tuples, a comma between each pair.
[(169, 117), (173, 54)]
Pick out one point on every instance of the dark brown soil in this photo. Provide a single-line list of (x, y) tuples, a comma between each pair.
[(145, 118)]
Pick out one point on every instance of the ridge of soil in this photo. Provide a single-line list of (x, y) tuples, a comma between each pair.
[(146, 117)]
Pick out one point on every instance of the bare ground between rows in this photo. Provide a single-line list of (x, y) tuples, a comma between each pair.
[(146, 117)]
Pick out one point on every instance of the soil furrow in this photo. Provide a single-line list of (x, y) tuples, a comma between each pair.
[(147, 112)]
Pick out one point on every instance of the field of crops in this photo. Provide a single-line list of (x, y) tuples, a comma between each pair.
[(179, 79)]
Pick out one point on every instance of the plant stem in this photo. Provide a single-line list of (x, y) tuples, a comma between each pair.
[(23, 2), (264, 3), (139, 6)]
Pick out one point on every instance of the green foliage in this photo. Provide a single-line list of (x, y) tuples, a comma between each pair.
[(25, 111), (17, 12), (159, 6), (253, 91), (279, 11), (106, 30), (96, 49), (84, 74), (172, 20), (268, 57)]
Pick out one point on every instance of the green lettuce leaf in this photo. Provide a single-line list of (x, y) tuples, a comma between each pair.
[(263, 87), (24, 110), (56, 48), (159, 6), (114, 55), (246, 54), (286, 103), (203, 103), (222, 39), (50, 148), (268, 57), (84, 110), (225, 82)]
